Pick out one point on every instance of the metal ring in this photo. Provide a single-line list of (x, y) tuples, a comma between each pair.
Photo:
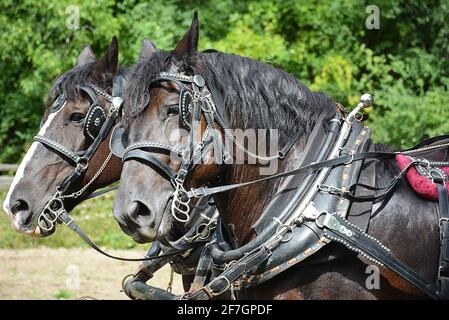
[(351, 154), (288, 229), (42, 227), (318, 224), (359, 116), (202, 234), (443, 178)]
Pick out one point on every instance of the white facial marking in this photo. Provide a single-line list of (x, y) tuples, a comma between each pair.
[(23, 166)]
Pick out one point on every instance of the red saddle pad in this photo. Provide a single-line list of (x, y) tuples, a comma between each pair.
[(420, 184)]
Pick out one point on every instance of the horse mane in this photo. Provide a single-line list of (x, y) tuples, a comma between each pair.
[(257, 95), (69, 81)]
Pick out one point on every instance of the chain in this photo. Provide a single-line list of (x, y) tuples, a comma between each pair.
[(425, 148), (239, 145), (99, 172)]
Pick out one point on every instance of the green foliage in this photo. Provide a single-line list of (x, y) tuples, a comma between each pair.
[(63, 294), (324, 43)]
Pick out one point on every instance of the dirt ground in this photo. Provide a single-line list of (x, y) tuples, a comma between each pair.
[(45, 273)]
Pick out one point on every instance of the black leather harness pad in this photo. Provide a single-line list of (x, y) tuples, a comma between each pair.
[(118, 141), (185, 108), (94, 121)]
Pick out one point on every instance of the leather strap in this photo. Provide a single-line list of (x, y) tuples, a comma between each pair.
[(148, 158), (443, 269), (222, 283), (59, 149), (204, 191), (68, 221), (340, 230)]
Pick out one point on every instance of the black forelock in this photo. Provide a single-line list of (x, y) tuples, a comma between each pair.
[(140, 78), (69, 82), (256, 95)]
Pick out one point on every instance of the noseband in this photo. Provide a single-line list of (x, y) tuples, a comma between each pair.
[(97, 126)]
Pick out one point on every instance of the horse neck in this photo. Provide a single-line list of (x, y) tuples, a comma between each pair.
[(242, 207)]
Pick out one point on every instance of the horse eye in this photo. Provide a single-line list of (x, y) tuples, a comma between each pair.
[(173, 110), (77, 117)]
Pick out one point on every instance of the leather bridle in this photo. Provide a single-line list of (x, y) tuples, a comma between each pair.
[(195, 100), (98, 124)]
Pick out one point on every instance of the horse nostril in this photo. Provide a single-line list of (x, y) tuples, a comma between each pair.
[(144, 210), (19, 205), (133, 209), (140, 212)]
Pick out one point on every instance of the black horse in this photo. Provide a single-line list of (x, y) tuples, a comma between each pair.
[(253, 95)]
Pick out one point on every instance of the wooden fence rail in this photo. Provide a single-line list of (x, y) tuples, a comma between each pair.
[(6, 180)]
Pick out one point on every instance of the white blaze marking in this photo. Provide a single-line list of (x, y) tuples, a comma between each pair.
[(23, 165)]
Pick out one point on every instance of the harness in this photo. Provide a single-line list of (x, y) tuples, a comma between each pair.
[(195, 101), (98, 124), (317, 208)]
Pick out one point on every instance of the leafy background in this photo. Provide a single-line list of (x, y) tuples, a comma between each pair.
[(326, 44)]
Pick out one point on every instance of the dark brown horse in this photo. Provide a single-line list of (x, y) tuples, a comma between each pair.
[(43, 169), (259, 96)]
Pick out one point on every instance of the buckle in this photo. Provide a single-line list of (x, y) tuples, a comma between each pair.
[(332, 190), (198, 192), (437, 179), (212, 293), (444, 219), (81, 166), (181, 176)]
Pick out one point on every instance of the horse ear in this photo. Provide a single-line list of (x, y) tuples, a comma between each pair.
[(188, 45), (86, 56), (147, 50), (108, 64)]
